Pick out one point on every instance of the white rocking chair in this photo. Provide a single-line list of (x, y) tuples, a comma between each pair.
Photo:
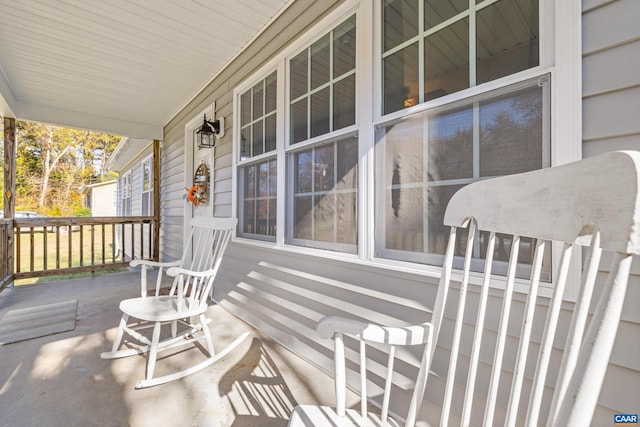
[(186, 303), (391, 337), (550, 368)]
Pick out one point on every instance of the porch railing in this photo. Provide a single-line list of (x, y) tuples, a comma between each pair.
[(6, 261), (53, 246)]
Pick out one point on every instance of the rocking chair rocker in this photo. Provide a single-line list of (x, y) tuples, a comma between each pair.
[(186, 303)]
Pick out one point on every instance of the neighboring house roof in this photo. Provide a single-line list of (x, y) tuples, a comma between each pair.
[(120, 67), (125, 152), (87, 188)]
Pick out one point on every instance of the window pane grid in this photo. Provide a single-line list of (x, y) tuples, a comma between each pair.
[(325, 195), (258, 110), (314, 74), (424, 159), (325, 85), (473, 44), (259, 193), (125, 208)]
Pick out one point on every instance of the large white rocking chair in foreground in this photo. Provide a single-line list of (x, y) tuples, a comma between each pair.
[(390, 337), (549, 368), (186, 303)]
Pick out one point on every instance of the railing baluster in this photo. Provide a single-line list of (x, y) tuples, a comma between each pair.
[(81, 245), (57, 247), (122, 242), (69, 246), (7, 263), (31, 252), (45, 251), (113, 243), (142, 241), (18, 251), (93, 245), (103, 245), (133, 241), (150, 254)]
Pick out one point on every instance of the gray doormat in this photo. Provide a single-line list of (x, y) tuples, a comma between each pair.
[(26, 323)]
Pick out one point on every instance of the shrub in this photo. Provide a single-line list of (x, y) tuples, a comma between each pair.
[(82, 212)]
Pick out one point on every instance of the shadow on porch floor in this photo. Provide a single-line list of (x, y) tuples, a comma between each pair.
[(60, 380)]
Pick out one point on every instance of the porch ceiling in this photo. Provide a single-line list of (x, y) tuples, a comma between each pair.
[(123, 66)]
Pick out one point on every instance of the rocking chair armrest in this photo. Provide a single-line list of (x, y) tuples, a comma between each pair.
[(174, 271), (403, 335), (143, 274), (137, 262)]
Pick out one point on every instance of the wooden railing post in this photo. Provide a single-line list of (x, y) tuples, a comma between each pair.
[(10, 153), (156, 201)]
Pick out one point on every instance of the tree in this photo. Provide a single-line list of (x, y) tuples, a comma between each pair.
[(54, 162)]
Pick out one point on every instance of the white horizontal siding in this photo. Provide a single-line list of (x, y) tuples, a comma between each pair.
[(623, 75), (611, 81), (613, 24), (171, 200), (610, 105), (612, 114)]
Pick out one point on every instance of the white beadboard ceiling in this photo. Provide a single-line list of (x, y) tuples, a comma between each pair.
[(120, 66)]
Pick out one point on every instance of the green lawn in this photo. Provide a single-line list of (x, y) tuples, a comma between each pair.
[(60, 250)]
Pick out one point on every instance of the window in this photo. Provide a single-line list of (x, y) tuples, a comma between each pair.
[(319, 153), (125, 194), (147, 187), (322, 209), (424, 159), (258, 194), (430, 48)]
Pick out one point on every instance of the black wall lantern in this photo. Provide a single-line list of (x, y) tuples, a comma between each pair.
[(206, 135)]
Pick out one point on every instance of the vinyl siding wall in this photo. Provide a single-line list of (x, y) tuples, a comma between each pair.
[(610, 106), (284, 293), (172, 198)]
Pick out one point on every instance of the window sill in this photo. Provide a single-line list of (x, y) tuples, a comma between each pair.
[(390, 267)]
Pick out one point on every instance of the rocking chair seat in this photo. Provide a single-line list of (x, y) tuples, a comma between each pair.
[(159, 309)]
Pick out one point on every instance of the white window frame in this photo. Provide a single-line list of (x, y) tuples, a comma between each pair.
[(280, 63), (430, 257), (560, 47), (148, 193), (126, 181), (561, 58), (240, 164), (293, 147)]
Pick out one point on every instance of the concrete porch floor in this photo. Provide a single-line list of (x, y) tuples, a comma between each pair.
[(60, 380)]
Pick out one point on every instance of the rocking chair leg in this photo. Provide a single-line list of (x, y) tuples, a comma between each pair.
[(153, 351), (207, 335), (174, 328), (120, 334)]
